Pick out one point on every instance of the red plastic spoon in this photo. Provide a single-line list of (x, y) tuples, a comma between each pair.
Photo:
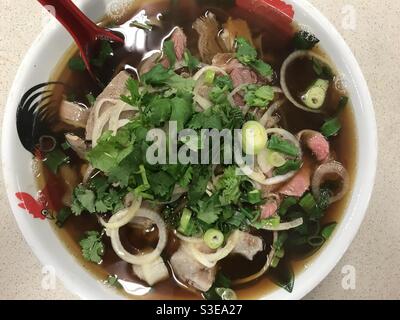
[(84, 31)]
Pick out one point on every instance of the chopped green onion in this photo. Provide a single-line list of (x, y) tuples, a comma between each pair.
[(209, 77), (280, 253), (254, 196), (272, 222), (308, 203), (280, 145), (213, 238), (185, 221), (282, 237), (275, 262), (141, 25), (315, 241), (315, 96), (55, 159), (290, 165), (226, 293), (331, 127), (255, 137), (328, 230), (286, 204), (62, 216), (275, 159)]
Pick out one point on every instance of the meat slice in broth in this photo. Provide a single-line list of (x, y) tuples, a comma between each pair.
[(192, 272)]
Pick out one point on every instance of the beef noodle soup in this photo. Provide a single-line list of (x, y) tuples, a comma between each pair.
[(198, 229)]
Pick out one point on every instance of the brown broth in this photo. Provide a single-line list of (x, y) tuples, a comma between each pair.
[(301, 75)]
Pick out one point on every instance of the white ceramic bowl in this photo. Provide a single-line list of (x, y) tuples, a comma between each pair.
[(37, 67)]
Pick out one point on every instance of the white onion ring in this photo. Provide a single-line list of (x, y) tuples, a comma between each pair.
[(332, 167), (234, 92), (265, 168), (143, 258), (259, 176), (208, 68), (188, 239), (123, 216), (271, 110), (292, 57), (285, 225), (209, 260)]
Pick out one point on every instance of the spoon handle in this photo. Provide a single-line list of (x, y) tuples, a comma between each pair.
[(84, 31)]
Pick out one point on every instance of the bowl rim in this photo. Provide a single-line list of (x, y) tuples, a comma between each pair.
[(332, 251)]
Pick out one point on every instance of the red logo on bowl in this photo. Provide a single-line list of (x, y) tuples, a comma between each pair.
[(35, 207)]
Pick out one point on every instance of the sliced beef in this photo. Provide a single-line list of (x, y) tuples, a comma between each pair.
[(153, 272), (208, 28), (269, 209), (180, 43), (192, 272), (242, 75), (77, 144), (74, 114), (248, 245), (319, 146), (299, 184)]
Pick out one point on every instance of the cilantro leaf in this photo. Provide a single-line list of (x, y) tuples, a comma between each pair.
[(208, 210), (162, 184), (197, 188), (92, 247), (157, 76), (185, 180), (228, 186), (98, 197), (169, 51), (83, 200), (257, 96), (182, 110), (134, 98), (263, 68), (158, 111), (247, 55)]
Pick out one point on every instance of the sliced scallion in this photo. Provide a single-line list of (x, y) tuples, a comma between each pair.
[(328, 230), (254, 196), (209, 77), (316, 241), (213, 238), (315, 96), (185, 221), (275, 159)]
